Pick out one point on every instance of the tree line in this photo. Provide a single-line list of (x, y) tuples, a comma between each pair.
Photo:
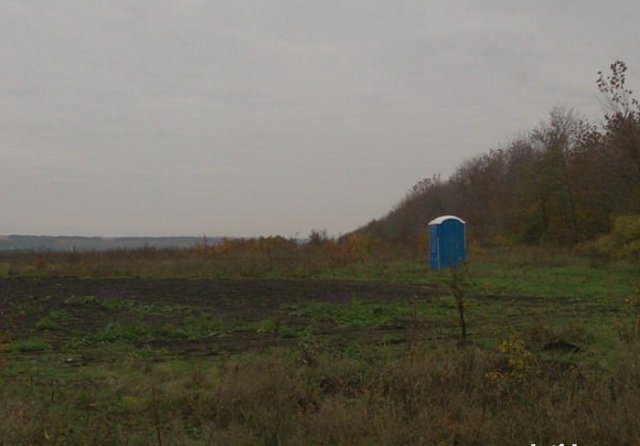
[(561, 183)]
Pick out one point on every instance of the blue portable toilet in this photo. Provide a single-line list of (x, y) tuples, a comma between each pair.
[(447, 242)]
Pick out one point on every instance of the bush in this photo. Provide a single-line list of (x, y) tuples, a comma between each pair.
[(622, 243)]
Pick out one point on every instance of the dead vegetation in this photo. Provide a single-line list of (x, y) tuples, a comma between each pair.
[(416, 396)]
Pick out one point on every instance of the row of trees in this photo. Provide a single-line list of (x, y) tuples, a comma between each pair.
[(560, 183)]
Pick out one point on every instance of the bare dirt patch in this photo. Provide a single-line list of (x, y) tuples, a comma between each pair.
[(210, 317)]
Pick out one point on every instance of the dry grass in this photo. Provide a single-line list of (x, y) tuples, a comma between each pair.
[(260, 257), (315, 395)]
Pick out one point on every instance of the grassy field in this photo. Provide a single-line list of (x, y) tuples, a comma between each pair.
[(365, 352)]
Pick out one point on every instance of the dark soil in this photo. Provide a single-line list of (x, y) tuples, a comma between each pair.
[(84, 306), (25, 301)]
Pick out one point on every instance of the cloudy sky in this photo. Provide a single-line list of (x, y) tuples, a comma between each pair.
[(240, 118)]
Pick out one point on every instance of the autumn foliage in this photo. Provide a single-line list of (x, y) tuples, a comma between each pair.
[(273, 256), (562, 183)]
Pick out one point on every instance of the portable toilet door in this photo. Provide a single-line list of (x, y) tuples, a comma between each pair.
[(434, 255), (447, 242)]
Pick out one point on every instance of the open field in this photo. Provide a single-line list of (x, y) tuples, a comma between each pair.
[(365, 353), (217, 316)]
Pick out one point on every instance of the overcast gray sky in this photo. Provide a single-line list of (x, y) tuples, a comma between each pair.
[(257, 117)]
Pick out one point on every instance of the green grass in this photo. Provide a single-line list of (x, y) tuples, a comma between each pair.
[(574, 281), (139, 332), (118, 304), (360, 371), (360, 313), (520, 275), (141, 309), (205, 326), (190, 328), (315, 393), (52, 320), (29, 345)]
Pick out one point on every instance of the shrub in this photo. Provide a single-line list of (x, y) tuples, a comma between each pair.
[(622, 243)]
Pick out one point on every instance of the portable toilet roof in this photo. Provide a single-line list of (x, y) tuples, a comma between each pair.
[(442, 218), (447, 242)]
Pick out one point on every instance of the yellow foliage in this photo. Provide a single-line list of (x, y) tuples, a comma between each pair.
[(494, 375), (623, 242), (627, 228), (520, 359)]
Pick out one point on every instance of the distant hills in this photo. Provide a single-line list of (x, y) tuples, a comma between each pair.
[(77, 243)]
